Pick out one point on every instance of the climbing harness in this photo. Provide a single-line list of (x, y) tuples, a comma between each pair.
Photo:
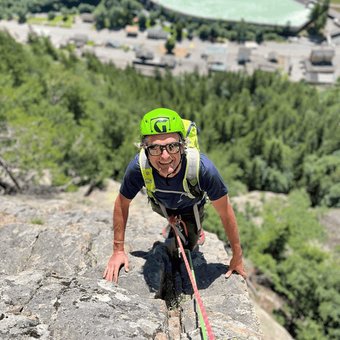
[(206, 329)]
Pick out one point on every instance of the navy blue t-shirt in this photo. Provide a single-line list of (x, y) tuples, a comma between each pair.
[(209, 179)]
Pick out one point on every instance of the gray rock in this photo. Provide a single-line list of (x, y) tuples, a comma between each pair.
[(54, 251)]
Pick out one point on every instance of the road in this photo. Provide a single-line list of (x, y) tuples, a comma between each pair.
[(188, 52)]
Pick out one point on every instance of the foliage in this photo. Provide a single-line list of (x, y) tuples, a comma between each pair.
[(266, 133), (79, 119), (10, 9), (318, 15), (115, 14), (170, 45), (287, 251), (286, 248)]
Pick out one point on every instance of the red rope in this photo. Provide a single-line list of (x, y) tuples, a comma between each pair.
[(173, 221)]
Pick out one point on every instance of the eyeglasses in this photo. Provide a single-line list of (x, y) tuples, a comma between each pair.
[(157, 150)]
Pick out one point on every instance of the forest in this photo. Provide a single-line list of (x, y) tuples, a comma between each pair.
[(79, 118)]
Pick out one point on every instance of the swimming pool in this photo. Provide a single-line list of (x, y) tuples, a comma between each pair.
[(265, 12)]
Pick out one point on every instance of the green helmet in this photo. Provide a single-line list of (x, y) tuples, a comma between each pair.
[(160, 121)]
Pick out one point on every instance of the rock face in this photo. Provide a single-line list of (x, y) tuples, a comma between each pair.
[(52, 256)]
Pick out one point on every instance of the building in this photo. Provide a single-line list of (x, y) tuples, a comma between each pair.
[(168, 60), (243, 55), (112, 44), (88, 18), (319, 67), (273, 57), (217, 66), (213, 51), (131, 31), (322, 56), (157, 33), (79, 40), (144, 54), (217, 63)]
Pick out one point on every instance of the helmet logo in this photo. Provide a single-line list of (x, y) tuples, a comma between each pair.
[(161, 125)]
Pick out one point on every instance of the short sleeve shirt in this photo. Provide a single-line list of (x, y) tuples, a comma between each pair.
[(210, 182)]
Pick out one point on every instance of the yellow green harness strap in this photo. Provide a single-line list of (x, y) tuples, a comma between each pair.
[(146, 170), (191, 172), (191, 175)]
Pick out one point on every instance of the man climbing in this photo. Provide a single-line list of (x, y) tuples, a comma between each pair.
[(177, 178)]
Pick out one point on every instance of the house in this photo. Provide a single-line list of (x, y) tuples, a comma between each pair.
[(214, 50), (131, 31), (322, 56), (157, 33), (144, 54), (267, 67), (217, 66), (112, 44), (87, 17), (319, 67), (168, 60), (216, 63), (273, 57), (243, 55), (79, 40)]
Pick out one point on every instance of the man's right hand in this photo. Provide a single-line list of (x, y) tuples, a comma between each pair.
[(116, 261)]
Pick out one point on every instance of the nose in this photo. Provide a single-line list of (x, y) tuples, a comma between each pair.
[(164, 153)]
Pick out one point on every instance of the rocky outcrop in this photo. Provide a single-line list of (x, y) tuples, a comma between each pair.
[(53, 253)]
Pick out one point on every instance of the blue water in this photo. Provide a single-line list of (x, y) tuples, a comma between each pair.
[(271, 12)]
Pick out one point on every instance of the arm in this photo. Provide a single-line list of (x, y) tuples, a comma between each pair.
[(226, 212), (118, 258)]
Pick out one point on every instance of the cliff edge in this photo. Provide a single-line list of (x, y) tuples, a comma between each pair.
[(53, 253)]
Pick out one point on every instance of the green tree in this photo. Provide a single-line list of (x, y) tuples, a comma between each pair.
[(11, 59), (241, 31), (259, 38), (204, 32), (170, 45), (318, 15), (319, 175), (142, 22), (179, 31)]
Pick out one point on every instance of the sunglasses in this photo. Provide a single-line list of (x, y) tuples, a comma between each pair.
[(157, 150)]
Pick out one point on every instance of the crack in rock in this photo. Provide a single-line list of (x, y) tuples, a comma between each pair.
[(28, 260)]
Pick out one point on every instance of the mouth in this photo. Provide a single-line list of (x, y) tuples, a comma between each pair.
[(168, 163)]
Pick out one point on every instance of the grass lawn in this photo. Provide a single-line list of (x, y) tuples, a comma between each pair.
[(56, 21)]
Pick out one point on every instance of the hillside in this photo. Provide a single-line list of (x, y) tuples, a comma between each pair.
[(67, 122), (53, 254)]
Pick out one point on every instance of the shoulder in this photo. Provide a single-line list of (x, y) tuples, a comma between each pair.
[(206, 165), (134, 165), (210, 179), (133, 180)]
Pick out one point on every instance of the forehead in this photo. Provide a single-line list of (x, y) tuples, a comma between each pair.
[(164, 138)]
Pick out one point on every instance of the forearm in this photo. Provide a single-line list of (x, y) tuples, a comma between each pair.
[(120, 217), (228, 219), (231, 230)]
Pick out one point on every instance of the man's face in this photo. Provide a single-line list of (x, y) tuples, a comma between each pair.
[(166, 163)]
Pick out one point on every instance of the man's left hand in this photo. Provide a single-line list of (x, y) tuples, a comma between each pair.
[(236, 265)]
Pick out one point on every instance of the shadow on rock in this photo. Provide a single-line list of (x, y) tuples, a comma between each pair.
[(167, 275)]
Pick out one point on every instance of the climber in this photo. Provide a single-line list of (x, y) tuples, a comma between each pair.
[(177, 178)]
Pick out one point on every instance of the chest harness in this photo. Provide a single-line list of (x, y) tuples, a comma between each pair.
[(191, 187)]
